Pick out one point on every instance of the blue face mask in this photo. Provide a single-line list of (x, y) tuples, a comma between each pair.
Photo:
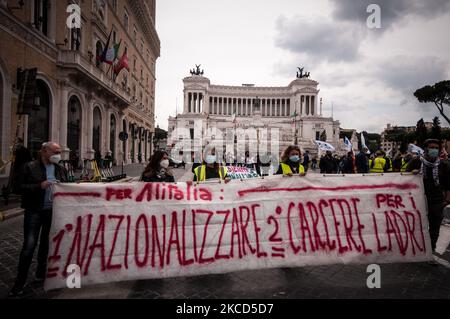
[(433, 153), (294, 158)]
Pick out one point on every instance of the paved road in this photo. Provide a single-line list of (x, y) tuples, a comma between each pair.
[(412, 280)]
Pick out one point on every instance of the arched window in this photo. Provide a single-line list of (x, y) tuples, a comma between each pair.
[(98, 51)]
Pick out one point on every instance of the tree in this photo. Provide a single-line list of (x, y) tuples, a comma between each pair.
[(421, 133), (436, 129), (439, 94), (160, 134), (323, 136)]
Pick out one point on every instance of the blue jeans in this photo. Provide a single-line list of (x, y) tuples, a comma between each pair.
[(35, 223)]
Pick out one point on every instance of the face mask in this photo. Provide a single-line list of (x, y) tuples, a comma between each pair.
[(55, 159), (164, 163), (210, 159), (433, 153), (294, 158)]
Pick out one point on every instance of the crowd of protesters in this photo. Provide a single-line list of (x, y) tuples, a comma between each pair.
[(37, 177)]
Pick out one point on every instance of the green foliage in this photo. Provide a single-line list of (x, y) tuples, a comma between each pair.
[(439, 94)]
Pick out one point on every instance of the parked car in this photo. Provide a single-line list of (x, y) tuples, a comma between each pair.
[(176, 163)]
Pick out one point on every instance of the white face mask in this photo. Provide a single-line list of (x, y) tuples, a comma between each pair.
[(55, 159), (164, 163), (210, 159)]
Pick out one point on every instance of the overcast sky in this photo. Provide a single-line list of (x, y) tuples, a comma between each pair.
[(368, 74)]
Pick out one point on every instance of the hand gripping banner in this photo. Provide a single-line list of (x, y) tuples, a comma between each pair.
[(141, 231)]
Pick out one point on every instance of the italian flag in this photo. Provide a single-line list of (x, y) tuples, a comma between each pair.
[(112, 53)]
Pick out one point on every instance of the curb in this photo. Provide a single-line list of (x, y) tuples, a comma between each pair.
[(10, 213)]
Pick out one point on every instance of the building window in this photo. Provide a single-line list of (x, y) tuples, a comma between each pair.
[(41, 13), (98, 51), (114, 36), (75, 39), (126, 20), (114, 5)]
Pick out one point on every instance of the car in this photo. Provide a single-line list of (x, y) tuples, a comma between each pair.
[(176, 163)]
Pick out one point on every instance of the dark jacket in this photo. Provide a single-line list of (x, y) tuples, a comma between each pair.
[(347, 166), (328, 165), (34, 174), (435, 193), (362, 163)]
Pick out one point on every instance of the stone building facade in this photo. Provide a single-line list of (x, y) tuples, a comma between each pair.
[(294, 110), (78, 103)]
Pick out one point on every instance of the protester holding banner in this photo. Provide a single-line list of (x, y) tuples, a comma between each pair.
[(157, 170), (210, 169), (290, 162), (37, 197), (436, 179)]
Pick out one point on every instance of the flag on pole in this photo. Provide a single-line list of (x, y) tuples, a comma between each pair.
[(102, 58), (348, 144), (415, 149), (122, 64), (112, 53), (363, 141), (324, 146)]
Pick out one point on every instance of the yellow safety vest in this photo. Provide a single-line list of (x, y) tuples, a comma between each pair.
[(378, 166), (404, 165), (202, 169), (287, 169)]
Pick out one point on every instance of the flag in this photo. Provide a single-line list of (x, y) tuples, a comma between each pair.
[(348, 144), (112, 53), (122, 64), (363, 141), (415, 149), (102, 58), (324, 146)]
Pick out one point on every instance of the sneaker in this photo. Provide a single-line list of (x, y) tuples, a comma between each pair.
[(16, 291)]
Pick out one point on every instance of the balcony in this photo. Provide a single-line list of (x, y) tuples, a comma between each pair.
[(79, 68)]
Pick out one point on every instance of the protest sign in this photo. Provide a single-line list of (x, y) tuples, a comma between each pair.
[(142, 231), (235, 172)]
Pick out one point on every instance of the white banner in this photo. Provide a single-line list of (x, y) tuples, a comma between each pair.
[(141, 231)]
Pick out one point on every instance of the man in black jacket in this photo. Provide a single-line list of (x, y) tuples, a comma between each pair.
[(328, 164), (362, 162), (38, 178), (436, 180)]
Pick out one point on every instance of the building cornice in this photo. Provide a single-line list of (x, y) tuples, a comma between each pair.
[(142, 14)]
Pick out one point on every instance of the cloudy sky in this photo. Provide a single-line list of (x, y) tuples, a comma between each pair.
[(369, 75)]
